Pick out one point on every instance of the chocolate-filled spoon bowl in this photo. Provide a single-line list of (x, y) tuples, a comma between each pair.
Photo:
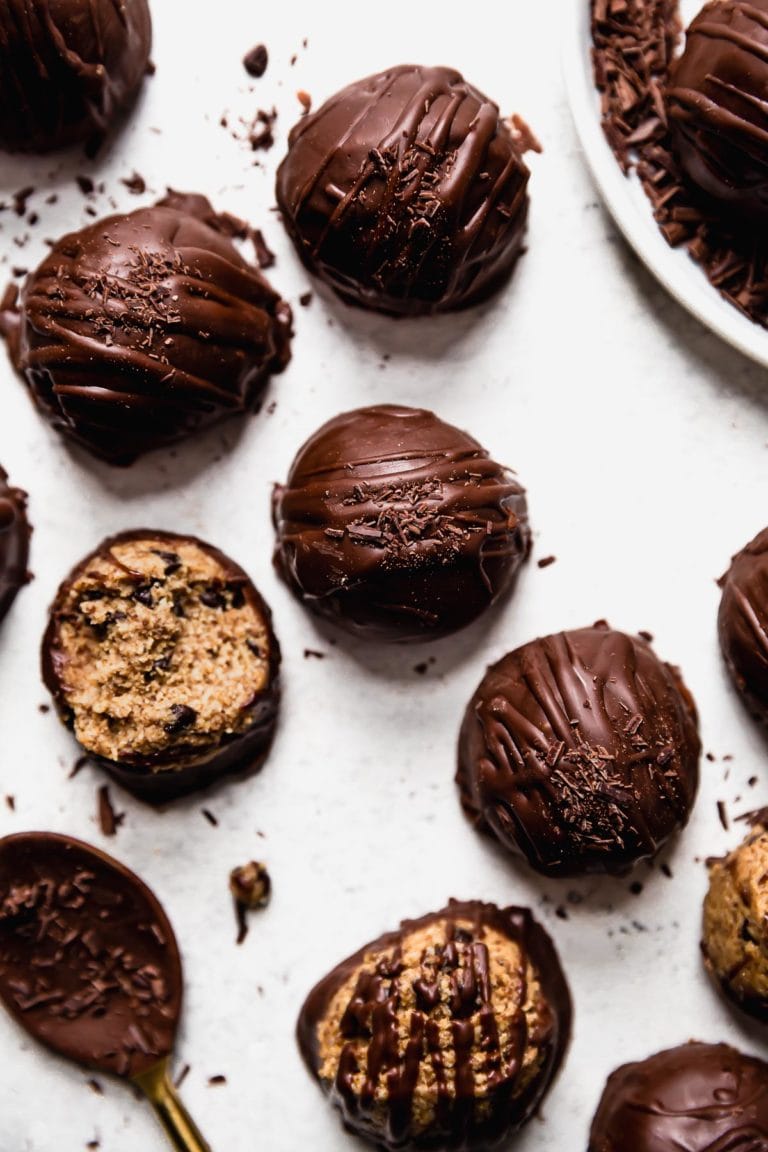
[(90, 967)]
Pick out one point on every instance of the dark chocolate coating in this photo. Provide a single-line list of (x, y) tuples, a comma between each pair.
[(14, 542), (142, 329), (406, 192), (458, 1126), (743, 624), (89, 965), (580, 752), (717, 103), (398, 527), (68, 68), (695, 1098), (165, 778)]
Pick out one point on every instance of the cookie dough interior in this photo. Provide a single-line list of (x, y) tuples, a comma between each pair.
[(159, 648), (427, 972)]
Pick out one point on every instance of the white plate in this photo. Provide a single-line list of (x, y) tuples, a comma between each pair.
[(629, 206)]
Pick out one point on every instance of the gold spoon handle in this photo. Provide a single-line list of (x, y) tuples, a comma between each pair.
[(176, 1122)]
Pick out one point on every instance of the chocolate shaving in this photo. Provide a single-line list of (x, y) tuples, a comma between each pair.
[(109, 820), (546, 561), (634, 44), (182, 1076), (210, 817)]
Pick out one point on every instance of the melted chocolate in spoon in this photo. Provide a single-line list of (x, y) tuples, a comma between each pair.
[(89, 966)]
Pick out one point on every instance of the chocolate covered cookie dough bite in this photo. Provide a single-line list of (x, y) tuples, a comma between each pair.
[(15, 532), (445, 1034), (743, 624), (397, 526), (161, 658), (68, 69), (697, 1098), (580, 752), (406, 192), (143, 329)]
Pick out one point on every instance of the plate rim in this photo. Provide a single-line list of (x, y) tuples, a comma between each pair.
[(671, 267)]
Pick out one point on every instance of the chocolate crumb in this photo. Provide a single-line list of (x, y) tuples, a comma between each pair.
[(182, 1076), (109, 820), (255, 62), (210, 817), (78, 765), (11, 802), (85, 184), (136, 184), (44, 708), (710, 757), (265, 257), (20, 200), (251, 888), (93, 1144), (312, 653), (95, 1086), (723, 814), (561, 912), (546, 561), (752, 781), (305, 100), (218, 1079), (305, 299), (645, 635), (636, 888), (665, 868)]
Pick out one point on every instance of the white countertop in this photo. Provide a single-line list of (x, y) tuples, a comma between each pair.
[(643, 443)]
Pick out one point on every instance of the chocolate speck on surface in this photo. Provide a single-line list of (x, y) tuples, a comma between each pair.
[(665, 868), (722, 814), (255, 62), (305, 100), (44, 709), (210, 817), (20, 200), (546, 561), (313, 654), (561, 912), (752, 781), (94, 1085), (305, 299), (265, 257), (11, 802), (109, 819), (182, 1076), (216, 1080), (711, 757), (636, 888), (251, 888), (136, 184), (86, 185), (78, 765)]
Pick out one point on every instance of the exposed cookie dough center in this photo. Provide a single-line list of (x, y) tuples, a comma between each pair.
[(162, 649), (467, 1012)]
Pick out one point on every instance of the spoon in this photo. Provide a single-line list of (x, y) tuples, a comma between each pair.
[(90, 967)]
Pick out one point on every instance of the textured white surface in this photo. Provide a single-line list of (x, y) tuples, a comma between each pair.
[(642, 441)]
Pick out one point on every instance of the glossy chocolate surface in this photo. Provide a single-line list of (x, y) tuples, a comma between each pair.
[(143, 329), (696, 1098), (89, 965), (68, 68), (462, 961), (743, 624), (397, 526), (182, 769), (406, 192), (14, 542), (580, 752), (717, 102)]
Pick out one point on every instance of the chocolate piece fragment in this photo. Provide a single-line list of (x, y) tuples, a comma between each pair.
[(743, 624), (88, 961), (735, 926), (255, 62), (698, 1097), (580, 752), (143, 329), (398, 527), (163, 686), (68, 69), (406, 192), (444, 1034), (251, 888), (14, 542), (716, 101)]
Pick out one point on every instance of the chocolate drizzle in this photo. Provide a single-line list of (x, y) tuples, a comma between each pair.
[(397, 526), (580, 752), (142, 329), (407, 192), (14, 542), (430, 1052), (634, 62), (67, 69), (88, 961), (695, 1098), (743, 624)]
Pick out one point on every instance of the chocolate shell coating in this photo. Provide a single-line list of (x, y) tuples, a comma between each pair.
[(398, 527), (68, 68), (444, 1034), (716, 103), (89, 965), (743, 624), (14, 542), (143, 329), (406, 192), (695, 1098), (580, 752), (160, 656)]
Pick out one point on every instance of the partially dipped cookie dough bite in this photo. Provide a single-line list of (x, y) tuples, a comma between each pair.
[(407, 192), (161, 658), (445, 1034), (15, 532), (743, 624)]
